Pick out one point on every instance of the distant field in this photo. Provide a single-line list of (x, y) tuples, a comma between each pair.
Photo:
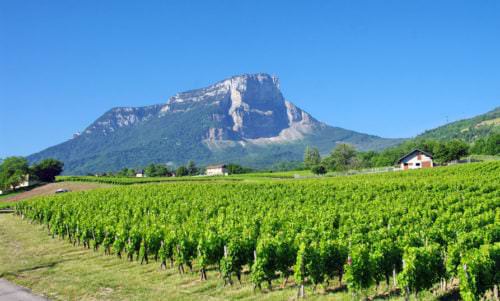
[(304, 230), (231, 178), (147, 180)]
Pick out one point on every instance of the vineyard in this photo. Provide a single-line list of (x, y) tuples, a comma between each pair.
[(434, 230)]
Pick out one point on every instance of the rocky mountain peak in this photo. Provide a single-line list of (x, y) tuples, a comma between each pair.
[(248, 106), (251, 107), (260, 84)]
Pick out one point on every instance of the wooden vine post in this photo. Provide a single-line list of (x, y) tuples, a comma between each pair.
[(407, 288)]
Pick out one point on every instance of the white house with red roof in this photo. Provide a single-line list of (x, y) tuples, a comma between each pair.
[(416, 159)]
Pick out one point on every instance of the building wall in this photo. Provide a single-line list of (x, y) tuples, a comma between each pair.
[(26, 183), (417, 161), (216, 171)]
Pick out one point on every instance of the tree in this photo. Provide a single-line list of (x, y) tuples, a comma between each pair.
[(455, 149), (489, 145), (366, 159), (13, 171), (162, 170), (123, 172), (126, 172), (342, 158), (311, 157), (318, 170), (156, 170), (492, 144), (237, 169), (47, 169), (150, 170), (130, 173), (448, 151), (181, 171), (191, 168)]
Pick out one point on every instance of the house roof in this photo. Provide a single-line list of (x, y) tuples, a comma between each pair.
[(412, 153), (216, 166)]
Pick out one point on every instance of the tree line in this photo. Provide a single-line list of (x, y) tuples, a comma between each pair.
[(345, 157), (15, 170), (164, 170)]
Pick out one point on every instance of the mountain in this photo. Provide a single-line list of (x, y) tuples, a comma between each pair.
[(467, 129), (243, 119)]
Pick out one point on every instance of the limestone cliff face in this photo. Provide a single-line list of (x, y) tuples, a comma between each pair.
[(251, 106)]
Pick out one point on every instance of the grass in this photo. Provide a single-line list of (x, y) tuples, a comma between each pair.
[(484, 157), (8, 195), (5, 205), (58, 270)]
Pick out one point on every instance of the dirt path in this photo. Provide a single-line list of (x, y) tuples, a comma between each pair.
[(12, 292), (49, 189)]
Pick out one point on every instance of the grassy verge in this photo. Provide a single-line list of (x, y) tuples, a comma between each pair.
[(8, 195), (60, 271), (5, 205), (485, 157)]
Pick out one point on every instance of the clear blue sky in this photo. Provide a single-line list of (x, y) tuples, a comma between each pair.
[(390, 68)]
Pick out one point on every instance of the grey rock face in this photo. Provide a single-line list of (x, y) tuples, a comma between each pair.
[(248, 106), (121, 117), (251, 106)]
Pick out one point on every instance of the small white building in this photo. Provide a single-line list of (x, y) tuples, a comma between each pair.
[(139, 173), (416, 159), (27, 182), (217, 170)]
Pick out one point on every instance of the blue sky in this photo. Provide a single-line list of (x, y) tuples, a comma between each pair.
[(390, 68)]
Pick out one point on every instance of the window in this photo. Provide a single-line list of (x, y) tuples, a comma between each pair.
[(417, 164)]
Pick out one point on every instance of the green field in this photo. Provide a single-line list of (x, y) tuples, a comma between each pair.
[(324, 233)]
